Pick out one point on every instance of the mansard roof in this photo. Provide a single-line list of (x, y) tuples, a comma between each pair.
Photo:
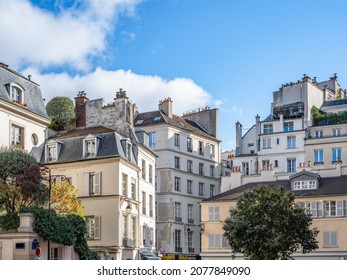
[(33, 96), (157, 118), (330, 186), (72, 142)]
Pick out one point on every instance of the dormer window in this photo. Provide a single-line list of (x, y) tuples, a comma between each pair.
[(304, 180), (305, 185), (52, 154), (17, 94), (90, 146), (127, 148)]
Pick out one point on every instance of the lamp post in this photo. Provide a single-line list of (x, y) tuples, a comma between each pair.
[(50, 178)]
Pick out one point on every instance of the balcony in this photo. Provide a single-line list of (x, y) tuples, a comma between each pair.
[(190, 250), (190, 221), (128, 242), (178, 219)]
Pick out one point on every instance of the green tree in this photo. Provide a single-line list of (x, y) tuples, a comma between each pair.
[(267, 224), (20, 181), (62, 112)]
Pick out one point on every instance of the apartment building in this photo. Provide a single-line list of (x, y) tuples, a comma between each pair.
[(23, 118), (187, 171), (112, 167)]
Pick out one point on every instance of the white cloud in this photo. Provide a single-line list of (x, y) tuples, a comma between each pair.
[(38, 37), (145, 91)]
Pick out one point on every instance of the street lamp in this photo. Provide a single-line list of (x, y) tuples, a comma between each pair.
[(50, 178)]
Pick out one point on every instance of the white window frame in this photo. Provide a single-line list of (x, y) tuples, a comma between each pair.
[(318, 156), (330, 239), (152, 141), (266, 143), (213, 213), (93, 225), (17, 135), (291, 142), (92, 183)]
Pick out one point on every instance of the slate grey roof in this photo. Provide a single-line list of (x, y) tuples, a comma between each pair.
[(33, 96), (72, 145), (157, 117), (338, 102), (333, 186)]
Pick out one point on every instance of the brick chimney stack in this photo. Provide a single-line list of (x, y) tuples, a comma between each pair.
[(166, 106), (80, 105)]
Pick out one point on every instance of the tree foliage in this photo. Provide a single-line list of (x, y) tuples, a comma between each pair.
[(268, 225), (20, 181), (62, 112), (68, 230), (64, 199)]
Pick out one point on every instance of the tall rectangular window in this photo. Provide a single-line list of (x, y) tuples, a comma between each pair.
[(151, 205), (291, 165), (125, 185), (288, 126), (201, 189), (93, 227), (291, 142), (52, 152), (150, 173), (177, 162), (133, 189), (178, 216), (212, 190), (189, 187), (189, 144), (178, 247), (90, 148), (330, 239), (190, 242), (201, 148), (177, 184), (176, 140), (266, 143), (144, 203), (336, 155), (318, 156), (201, 169), (245, 168), (267, 128), (211, 170), (212, 150), (318, 133), (190, 214), (189, 166), (143, 171), (17, 136), (213, 213), (336, 132), (152, 139)]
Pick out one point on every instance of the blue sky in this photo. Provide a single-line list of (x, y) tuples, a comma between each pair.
[(227, 54)]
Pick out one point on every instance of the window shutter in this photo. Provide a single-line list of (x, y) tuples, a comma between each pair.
[(97, 227), (314, 211), (218, 241), (339, 208), (210, 213), (210, 241), (86, 184), (326, 238), (225, 242), (98, 183), (333, 240), (320, 208), (345, 207)]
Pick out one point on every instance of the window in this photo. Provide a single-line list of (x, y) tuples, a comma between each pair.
[(291, 142), (278, 141), (245, 168), (213, 213), (330, 239), (318, 157), (276, 163), (201, 148), (129, 151), (17, 94), (190, 242), (176, 140), (52, 152), (266, 143), (288, 126), (336, 132), (318, 133), (143, 171), (212, 190), (124, 185), (133, 231), (125, 227), (93, 227), (317, 209), (152, 139), (337, 155), (291, 165), (90, 150), (34, 139), (92, 181), (201, 189), (265, 164), (189, 166), (150, 173), (17, 136), (178, 247), (211, 170), (201, 169), (178, 217), (189, 144), (329, 208), (212, 150), (55, 253), (177, 184), (305, 185), (190, 214), (133, 189), (151, 205), (217, 241), (189, 187), (144, 202), (177, 162), (267, 128)]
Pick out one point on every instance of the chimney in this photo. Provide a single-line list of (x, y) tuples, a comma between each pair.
[(165, 106), (238, 138), (80, 105)]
